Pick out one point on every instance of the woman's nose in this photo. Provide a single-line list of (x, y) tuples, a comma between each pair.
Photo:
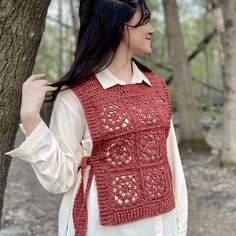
[(151, 28)]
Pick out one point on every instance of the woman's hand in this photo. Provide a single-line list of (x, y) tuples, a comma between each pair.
[(33, 94)]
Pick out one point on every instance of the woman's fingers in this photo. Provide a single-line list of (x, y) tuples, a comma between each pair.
[(42, 82), (36, 76), (33, 93), (50, 88), (39, 79), (46, 84)]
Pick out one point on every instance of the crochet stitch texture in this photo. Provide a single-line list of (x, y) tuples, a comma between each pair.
[(129, 126)]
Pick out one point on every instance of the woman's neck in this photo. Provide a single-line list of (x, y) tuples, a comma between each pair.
[(121, 65)]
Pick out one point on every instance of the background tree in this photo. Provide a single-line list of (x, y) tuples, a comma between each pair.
[(206, 207), (191, 136), (229, 80), (21, 25), (60, 38)]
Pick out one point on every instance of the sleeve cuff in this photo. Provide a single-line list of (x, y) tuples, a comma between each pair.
[(36, 137)]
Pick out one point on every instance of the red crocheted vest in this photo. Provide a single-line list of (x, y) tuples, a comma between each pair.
[(129, 125)]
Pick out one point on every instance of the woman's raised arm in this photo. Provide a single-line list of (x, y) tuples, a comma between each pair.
[(55, 152)]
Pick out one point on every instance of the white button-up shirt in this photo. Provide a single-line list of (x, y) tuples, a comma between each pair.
[(55, 153)]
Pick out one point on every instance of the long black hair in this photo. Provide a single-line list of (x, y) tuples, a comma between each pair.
[(101, 26)]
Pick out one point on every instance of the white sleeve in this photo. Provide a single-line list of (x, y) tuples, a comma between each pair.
[(179, 184), (55, 152)]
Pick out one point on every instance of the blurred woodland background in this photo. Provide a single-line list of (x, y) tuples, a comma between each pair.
[(194, 50)]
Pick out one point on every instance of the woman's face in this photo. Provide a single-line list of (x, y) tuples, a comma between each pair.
[(140, 37)]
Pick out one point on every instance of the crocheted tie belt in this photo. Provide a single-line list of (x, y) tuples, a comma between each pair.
[(80, 213)]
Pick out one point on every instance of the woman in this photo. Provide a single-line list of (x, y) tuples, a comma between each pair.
[(111, 146)]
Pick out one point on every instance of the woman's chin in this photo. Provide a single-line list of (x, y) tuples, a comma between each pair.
[(147, 52)]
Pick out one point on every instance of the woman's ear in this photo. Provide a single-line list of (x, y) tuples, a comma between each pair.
[(125, 32), (126, 29)]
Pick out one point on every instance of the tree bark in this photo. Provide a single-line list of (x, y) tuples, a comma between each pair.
[(60, 51), (220, 29), (229, 81), (21, 28), (191, 136), (207, 57)]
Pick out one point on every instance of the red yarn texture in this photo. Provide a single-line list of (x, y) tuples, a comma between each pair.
[(129, 125)]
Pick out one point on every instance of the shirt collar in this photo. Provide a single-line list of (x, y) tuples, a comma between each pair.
[(107, 79)]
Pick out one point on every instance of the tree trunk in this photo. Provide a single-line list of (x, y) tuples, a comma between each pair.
[(229, 79), (220, 29), (21, 29), (60, 51), (208, 64), (191, 136)]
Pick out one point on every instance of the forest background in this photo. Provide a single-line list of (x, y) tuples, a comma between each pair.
[(194, 50)]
